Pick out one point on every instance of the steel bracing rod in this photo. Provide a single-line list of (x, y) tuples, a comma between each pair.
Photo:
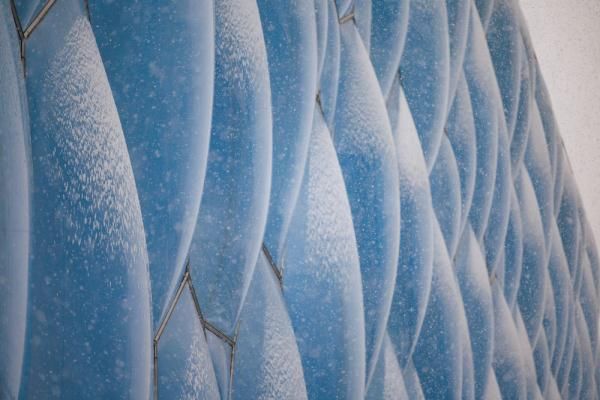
[(276, 271), (38, 18)]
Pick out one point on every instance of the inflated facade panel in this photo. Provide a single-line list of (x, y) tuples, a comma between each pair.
[(273, 199)]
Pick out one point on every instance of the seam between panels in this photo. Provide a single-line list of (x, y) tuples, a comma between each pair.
[(278, 272), (38, 18)]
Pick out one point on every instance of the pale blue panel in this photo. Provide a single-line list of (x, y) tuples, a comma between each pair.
[(540, 170), (485, 101), (165, 108), (220, 353), (365, 148), (445, 195), (571, 389), (533, 390), (497, 224), (27, 10), (562, 292), (412, 383), (322, 283), (458, 27), (513, 252), (321, 25), (564, 367), (460, 129), (438, 355), (267, 363), (549, 321), (589, 301), (504, 39), (424, 70), (415, 263), (330, 74), (390, 19), (530, 297), (472, 276), (290, 38), (363, 15), (568, 223), (520, 133), (484, 8), (507, 363), (387, 382), (588, 387), (89, 327), (185, 369), (235, 199), (15, 213), (541, 358)]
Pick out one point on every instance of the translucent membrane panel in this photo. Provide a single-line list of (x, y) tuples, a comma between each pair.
[(460, 129), (439, 356), (159, 58), (365, 149), (415, 262), (472, 277), (458, 28), (389, 23), (291, 42), (535, 260), (497, 224), (267, 363), (330, 73), (485, 102), (445, 194), (513, 252), (537, 162), (185, 369), (235, 199), (387, 382), (412, 383), (14, 207), (424, 70), (89, 327), (520, 132), (507, 361), (504, 40), (322, 286), (27, 10), (221, 353)]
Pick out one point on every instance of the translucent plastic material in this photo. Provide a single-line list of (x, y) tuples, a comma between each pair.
[(364, 145), (235, 199), (185, 368), (425, 72), (15, 210), (89, 326), (267, 363), (290, 39), (165, 108), (322, 284), (415, 262)]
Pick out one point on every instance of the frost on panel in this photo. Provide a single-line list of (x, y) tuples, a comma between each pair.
[(439, 355), (365, 149), (185, 368), (14, 208), (159, 58), (322, 285), (415, 261), (425, 70), (89, 315), (235, 199), (387, 382), (267, 363), (291, 42)]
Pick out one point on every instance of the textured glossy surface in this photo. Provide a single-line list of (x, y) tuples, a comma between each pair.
[(296, 200)]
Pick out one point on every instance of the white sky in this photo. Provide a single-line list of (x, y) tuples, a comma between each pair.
[(566, 38)]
